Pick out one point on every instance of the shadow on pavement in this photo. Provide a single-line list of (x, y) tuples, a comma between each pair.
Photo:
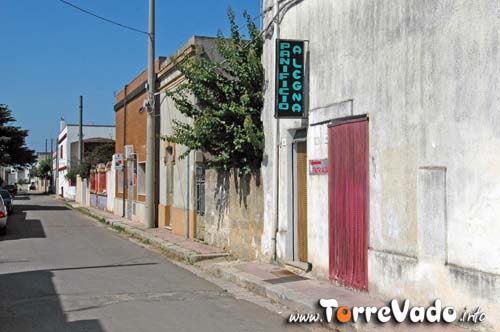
[(26, 207), (92, 267), (19, 227), (30, 302), (22, 198)]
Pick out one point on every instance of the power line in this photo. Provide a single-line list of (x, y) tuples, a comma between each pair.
[(103, 18)]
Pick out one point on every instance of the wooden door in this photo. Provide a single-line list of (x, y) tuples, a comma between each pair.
[(170, 184), (301, 159), (348, 202)]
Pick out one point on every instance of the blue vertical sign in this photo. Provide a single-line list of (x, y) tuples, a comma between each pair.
[(289, 79)]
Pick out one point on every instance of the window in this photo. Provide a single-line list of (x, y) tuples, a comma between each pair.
[(61, 152), (170, 170), (141, 178), (200, 189), (119, 180)]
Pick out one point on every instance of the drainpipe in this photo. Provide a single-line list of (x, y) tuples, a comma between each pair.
[(275, 227), (187, 195)]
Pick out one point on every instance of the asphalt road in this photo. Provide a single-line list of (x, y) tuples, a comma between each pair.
[(60, 271)]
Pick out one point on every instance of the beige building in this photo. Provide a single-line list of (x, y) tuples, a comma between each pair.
[(198, 202), (178, 209)]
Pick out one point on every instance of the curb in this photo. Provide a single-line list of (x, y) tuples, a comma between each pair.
[(170, 249), (295, 301), (276, 293)]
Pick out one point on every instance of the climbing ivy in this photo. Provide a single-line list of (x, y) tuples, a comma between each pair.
[(228, 99)]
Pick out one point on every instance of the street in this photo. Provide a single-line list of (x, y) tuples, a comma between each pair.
[(61, 271)]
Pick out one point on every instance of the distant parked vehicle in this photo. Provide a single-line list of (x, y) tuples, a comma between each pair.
[(32, 186), (3, 217), (8, 201), (12, 189)]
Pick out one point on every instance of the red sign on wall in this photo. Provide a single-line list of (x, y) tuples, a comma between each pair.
[(318, 166)]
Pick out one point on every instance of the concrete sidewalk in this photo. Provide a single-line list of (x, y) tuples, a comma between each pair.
[(297, 292), (172, 245), (301, 294)]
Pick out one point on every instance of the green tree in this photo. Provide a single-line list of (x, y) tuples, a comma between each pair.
[(13, 149), (22, 181), (226, 114), (72, 173), (101, 154), (43, 170)]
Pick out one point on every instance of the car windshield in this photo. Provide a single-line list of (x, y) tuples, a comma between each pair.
[(4, 194)]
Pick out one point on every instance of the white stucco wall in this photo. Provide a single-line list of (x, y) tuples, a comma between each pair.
[(169, 114), (110, 189), (427, 75), (67, 139)]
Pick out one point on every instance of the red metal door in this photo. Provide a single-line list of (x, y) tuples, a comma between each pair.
[(348, 202)]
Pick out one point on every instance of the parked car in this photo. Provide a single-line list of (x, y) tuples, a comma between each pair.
[(7, 199), (3, 217), (12, 189), (32, 186)]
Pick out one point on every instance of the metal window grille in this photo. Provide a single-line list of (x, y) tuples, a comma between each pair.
[(200, 189)]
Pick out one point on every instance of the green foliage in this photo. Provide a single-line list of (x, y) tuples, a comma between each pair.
[(226, 114), (118, 228), (72, 173), (22, 182), (13, 149), (43, 170), (100, 154)]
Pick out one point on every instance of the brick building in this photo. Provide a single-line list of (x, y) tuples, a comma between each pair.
[(130, 183)]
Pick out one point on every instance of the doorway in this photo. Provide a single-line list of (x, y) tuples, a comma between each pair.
[(170, 163), (300, 197), (348, 202)]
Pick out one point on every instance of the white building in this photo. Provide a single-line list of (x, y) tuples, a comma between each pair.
[(67, 151), (40, 184), (408, 90), (11, 175)]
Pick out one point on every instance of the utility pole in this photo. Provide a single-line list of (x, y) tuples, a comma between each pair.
[(51, 165), (45, 179), (151, 126), (124, 180), (80, 133)]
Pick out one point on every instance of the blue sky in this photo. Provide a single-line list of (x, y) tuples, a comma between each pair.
[(50, 53)]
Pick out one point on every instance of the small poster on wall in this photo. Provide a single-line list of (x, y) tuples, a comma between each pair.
[(318, 166)]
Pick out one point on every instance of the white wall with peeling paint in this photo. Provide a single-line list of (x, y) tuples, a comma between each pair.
[(427, 74)]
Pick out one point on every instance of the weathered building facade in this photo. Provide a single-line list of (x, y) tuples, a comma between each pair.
[(194, 201), (177, 196), (402, 106)]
